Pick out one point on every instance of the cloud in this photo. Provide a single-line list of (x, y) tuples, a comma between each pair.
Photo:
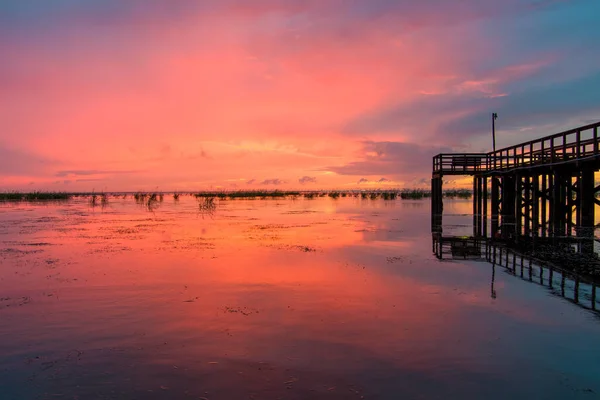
[(199, 101), (397, 159), (307, 179), (86, 172), (15, 162), (530, 108), (165, 149), (251, 182), (368, 181), (90, 180), (437, 114), (275, 181)]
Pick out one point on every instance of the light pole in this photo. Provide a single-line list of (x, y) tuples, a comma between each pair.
[(494, 117)]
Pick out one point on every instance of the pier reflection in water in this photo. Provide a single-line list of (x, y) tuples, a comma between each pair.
[(575, 287)]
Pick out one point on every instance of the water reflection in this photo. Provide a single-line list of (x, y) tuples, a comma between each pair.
[(551, 261), (268, 299)]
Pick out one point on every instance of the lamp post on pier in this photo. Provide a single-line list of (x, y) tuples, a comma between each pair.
[(494, 117)]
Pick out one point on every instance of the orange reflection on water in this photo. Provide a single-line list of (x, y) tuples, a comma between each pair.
[(306, 298)]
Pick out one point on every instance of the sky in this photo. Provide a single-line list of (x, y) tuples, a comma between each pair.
[(127, 95)]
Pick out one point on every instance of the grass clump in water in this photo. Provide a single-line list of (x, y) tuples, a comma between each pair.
[(207, 206)]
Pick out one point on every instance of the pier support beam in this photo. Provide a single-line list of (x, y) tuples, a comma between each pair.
[(496, 201), (437, 204), (544, 200), (485, 205), (535, 210), (520, 202), (559, 204), (508, 206), (585, 208)]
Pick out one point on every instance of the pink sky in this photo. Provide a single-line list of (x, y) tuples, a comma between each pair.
[(280, 94)]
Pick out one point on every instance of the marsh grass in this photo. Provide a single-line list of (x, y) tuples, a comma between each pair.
[(415, 194), (460, 193), (207, 206), (35, 196), (153, 201), (252, 194), (149, 200)]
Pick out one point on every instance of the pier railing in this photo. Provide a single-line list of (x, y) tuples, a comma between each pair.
[(569, 146), (460, 163)]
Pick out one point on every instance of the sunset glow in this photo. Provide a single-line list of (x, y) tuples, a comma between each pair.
[(182, 95)]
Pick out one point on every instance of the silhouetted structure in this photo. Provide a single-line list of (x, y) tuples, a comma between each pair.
[(541, 188), (542, 198)]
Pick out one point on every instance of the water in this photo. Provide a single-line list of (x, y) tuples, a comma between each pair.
[(272, 299)]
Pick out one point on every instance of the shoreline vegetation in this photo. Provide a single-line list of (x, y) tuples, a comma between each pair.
[(146, 197)]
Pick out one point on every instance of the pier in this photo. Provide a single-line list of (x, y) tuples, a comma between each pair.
[(541, 188), (533, 211)]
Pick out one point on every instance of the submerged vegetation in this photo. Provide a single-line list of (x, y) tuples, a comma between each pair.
[(35, 196), (207, 205), (152, 199), (460, 193), (149, 200), (251, 194)]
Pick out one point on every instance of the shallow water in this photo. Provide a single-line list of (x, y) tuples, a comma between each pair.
[(270, 299)]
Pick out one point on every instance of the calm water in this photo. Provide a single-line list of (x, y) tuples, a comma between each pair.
[(272, 299)]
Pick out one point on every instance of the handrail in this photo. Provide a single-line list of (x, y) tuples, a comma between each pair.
[(542, 151)]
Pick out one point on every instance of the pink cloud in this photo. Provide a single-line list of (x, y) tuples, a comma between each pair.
[(197, 95)]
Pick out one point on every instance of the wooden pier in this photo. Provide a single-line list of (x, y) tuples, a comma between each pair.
[(541, 188)]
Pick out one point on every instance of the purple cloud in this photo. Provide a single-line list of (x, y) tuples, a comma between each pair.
[(403, 161), (17, 162), (86, 172), (307, 179), (275, 181)]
